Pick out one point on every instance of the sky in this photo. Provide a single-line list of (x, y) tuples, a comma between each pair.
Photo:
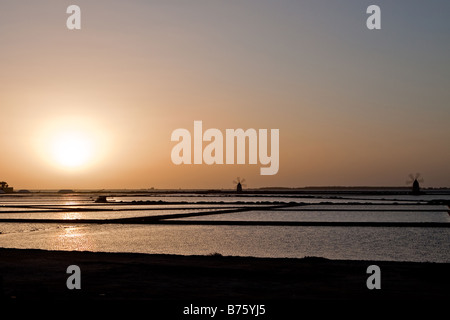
[(95, 108)]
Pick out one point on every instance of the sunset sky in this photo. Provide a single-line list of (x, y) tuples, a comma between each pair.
[(354, 107)]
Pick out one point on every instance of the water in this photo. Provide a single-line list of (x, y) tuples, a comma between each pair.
[(98, 215), (336, 242), (331, 216)]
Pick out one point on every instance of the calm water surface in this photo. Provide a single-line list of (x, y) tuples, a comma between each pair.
[(364, 243)]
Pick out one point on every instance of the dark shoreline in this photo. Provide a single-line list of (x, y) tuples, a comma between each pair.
[(30, 274)]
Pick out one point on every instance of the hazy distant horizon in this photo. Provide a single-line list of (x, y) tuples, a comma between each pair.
[(155, 189)]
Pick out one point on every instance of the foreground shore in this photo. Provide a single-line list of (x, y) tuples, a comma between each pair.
[(39, 274)]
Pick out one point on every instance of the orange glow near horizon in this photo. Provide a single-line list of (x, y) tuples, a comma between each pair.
[(95, 108)]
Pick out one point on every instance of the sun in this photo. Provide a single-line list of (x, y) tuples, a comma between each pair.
[(71, 144), (72, 149)]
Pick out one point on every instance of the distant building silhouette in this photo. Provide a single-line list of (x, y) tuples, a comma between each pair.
[(415, 187), (239, 184), (4, 188)]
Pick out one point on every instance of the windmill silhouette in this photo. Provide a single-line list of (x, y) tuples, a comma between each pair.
[(239, 184), (414, 180)]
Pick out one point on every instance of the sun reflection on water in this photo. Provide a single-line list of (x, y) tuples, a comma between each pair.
[(75, 238), (72, 215), (71, 232)]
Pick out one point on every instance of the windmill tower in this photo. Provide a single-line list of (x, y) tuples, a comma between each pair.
[(415, 181), (239, 184)]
